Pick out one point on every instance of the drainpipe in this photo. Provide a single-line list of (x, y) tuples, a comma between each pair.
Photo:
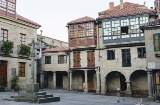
[(99, 56)]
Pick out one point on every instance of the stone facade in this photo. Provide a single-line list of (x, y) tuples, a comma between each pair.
[(15, 27)]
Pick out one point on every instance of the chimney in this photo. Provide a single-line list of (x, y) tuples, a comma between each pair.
[(144, 4), (111, 6), (121, 4)]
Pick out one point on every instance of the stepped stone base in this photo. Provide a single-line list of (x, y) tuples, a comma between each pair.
[(32, 88), (40, 97)]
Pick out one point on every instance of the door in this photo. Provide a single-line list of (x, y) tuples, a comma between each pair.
[(3, 72), (90, 81)]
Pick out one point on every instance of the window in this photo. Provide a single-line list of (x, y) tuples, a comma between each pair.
[(21, 69), (62, 59), (141, 52), (156, 39), (4, 34), (76, 59), (47, 59), (22, 38), (110, 54), (126, 58), (90, 58), (124, 30)]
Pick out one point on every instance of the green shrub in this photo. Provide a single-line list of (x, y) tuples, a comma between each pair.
[(25, 50), (7, 46)]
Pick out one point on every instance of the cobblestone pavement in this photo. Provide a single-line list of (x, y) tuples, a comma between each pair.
[(78, 98)]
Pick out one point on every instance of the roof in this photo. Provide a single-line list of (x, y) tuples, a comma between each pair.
[(27, 20), (81, 20), (151, 24), (57, 49), (128, 9), (54, 39)]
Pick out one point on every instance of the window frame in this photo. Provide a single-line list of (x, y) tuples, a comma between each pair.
[(141, 51), (21, 73), (3, 34), (47, 59), (110, 54), (157, 34), (126, 55), (61, 59), (22, 38)]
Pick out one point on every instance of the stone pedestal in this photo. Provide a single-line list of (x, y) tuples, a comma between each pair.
[(32, 88), (151, 98)]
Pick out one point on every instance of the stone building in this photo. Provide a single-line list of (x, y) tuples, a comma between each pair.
[(83, 67), (122, 47), (47, 43), (20, 31), (55, 63), (152, 43), (108, 54)]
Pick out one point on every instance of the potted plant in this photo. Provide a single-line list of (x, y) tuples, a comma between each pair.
[(14, 81), (16, 88), (1, 86), (6, 47), (25, 50)]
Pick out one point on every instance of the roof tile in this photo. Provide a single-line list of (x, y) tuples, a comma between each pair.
[(81, 20), (57, 49), (128, 9), (27, 20)]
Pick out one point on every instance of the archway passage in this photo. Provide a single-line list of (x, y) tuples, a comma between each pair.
[(115, 81), (139, 82)]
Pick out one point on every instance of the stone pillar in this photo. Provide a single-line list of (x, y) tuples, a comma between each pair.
[(86, 82), (128, 90), (54, 79), (98, 82), (150, 91), (70, 80)]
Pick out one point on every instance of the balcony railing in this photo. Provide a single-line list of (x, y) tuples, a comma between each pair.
[(118, 39)]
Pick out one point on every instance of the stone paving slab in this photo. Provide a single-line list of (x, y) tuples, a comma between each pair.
[(78, 98)]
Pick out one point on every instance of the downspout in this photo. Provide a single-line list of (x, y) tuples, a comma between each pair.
[(99, 56), (69, 66)]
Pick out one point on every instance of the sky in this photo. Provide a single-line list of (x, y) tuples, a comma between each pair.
[(53, 15)]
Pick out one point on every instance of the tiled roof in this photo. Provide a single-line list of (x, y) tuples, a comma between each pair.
[(27, 20), (151, 24), (128, 9), (57, 49), (81, 20)]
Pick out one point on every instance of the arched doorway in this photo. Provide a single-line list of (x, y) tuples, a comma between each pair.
[(115, 81), (139, 82)]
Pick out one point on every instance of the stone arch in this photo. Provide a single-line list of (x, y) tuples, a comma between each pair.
[(139, 82), (115, 81)]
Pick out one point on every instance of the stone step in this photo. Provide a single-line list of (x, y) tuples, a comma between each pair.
[(49, 95), (42, 100), (48, 99), (41, 96), (40, 93)]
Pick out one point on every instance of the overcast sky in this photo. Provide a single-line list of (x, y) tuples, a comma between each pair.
[(54, 15)]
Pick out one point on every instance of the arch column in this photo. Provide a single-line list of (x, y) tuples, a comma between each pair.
[(70, 80), (128, 90), (150, 91), (98, 81), (86, 82), (54, 79)]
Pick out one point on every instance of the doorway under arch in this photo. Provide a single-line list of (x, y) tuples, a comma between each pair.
[(139, 82), (115, 81)]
